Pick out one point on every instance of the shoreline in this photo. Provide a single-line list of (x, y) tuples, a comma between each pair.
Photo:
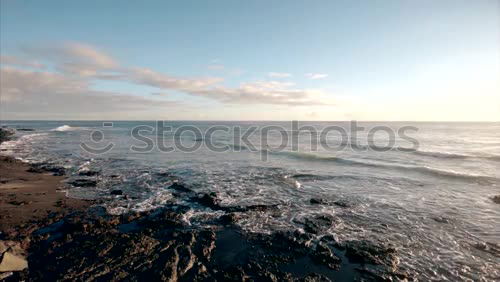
[(28, 196), (48, 236), (160, 245)]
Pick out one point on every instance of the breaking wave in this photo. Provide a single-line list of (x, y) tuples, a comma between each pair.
[(65, 128), (422, 169), (449, 155)]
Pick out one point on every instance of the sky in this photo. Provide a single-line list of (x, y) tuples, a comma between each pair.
[(391, 60)]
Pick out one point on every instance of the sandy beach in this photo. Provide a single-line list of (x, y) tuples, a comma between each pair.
[(28, 196)]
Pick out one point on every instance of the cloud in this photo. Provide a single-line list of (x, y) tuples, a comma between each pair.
[(15, 61), (89, 54), (150, 77), (279, 74), (260, 92), (74, 58), (39, 94), (316, 75), (270, 92), (72, 52), (65, 87)]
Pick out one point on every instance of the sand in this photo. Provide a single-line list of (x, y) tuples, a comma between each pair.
[(28, 196)]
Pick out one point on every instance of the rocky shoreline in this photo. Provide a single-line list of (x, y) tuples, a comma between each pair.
[(159, 245), (75, 241)]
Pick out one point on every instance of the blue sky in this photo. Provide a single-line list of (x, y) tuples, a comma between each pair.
[(326, 60)]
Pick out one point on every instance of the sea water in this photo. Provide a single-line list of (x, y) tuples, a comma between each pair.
[(430, 196)]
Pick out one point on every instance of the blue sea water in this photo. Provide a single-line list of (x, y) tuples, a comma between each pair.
[(432, 202)]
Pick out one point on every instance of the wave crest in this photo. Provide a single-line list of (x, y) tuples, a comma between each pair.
[(64, 128), (422, 169)]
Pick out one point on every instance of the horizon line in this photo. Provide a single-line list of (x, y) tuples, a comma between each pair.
[(152, 120)]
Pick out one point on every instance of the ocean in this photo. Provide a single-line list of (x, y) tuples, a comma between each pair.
[(424, 188)]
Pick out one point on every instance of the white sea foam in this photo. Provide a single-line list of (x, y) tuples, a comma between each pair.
[(158, 199), (65, 128), (21, 144)]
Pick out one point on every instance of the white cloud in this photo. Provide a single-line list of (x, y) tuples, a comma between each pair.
[(150, 77), (15, 61), (75, 58), (38, 94), (316, 75), (88, 54), (65, 89), (269, 92), (279, 74)]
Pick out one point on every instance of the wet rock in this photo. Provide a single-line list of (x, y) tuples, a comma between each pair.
[(25, 129), (12, 262), (229, 218), (492, 248), (6, 134), (318, 201), (179, 187), (441, 219), (324, 255), (116, 192), (342, 203), (19, 203), (88, 172), (36, 169), (43, 167), (259, 208), (83, 183), (212, 201), (314, 277), (296, 243), (318, 224), (161, 245), (209, 200), (496, 199), (155, 250), (367, 252), (242, 209)]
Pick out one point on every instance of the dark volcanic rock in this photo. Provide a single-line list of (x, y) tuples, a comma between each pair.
[(229, 218), (314, 277), (44, 167), (318, 201), (88, 173), (324, 255), (6, 134), (19, 203), (342, 203), (161, 245), (212, 201), (209, 200), (116, 192), (318, 224), (83, 183), (92, 247), (496, 199), (367, 252), (25, 129), (257, 208), (179, 187)]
